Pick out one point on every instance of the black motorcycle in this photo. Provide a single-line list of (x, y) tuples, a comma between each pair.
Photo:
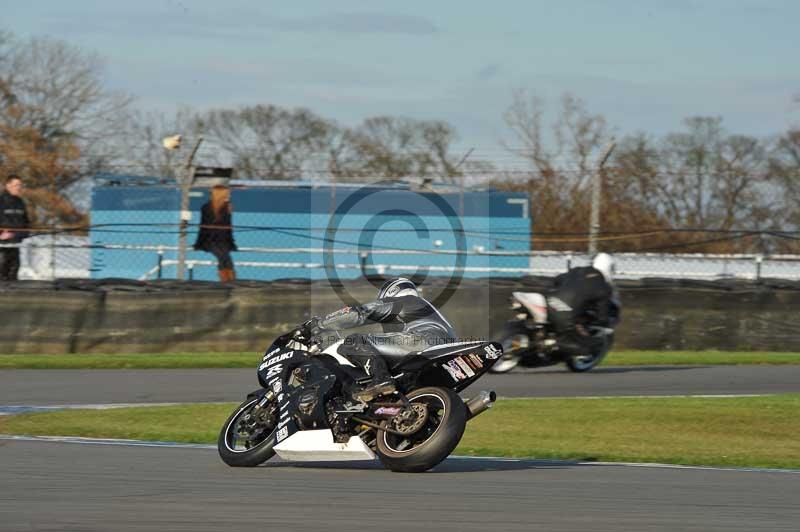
[(303, 411), (530, 341)]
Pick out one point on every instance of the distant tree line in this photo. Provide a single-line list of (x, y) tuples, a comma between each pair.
[(719, 192), (270, 142), (700, 189)]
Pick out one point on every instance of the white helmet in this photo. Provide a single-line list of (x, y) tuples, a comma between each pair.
[(604, 263)]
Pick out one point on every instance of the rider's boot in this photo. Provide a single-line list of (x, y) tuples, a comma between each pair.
[(381, 384)]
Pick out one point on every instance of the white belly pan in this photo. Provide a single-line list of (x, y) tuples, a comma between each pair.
[(318, 445)]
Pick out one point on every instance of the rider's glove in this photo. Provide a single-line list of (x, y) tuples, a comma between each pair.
[(311, 327)]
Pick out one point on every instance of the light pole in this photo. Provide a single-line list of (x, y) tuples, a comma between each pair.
[(597, 186), (185, 180)]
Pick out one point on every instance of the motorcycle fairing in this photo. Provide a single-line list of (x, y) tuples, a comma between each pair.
[(333, 351), (318, 445), (301, 384), (455, 365), (535, 303)]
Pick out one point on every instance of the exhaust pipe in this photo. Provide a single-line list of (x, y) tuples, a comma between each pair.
[(480, 403)]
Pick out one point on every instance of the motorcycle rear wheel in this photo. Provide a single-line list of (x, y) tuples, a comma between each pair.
[(242, 452), (583, 363), (434, 441)]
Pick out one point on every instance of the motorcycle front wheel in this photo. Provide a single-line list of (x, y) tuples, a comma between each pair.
[(248, 436), (514, 343), (429, 435)]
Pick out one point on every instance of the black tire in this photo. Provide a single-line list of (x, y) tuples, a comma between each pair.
[(248, 457), (581, 364), (511, 356), (425, 454)]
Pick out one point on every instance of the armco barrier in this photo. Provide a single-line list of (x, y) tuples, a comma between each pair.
[(116, 316)]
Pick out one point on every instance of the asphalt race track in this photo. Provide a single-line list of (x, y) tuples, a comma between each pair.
[(55, 387), (49, 486), (59, 486)]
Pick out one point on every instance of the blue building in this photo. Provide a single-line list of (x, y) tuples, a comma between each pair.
[(290, 230)]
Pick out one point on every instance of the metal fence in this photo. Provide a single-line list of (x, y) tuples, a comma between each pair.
[(296, 230), (316, 230), (677, 266), (47, 258)]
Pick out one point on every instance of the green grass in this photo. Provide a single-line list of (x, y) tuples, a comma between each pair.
[(744, 431), (197, 423), (741, 431), (251, 360)]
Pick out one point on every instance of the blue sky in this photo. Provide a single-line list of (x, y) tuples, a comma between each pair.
[(645, 65)]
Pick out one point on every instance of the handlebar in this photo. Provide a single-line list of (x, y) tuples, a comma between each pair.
[(305, 343)]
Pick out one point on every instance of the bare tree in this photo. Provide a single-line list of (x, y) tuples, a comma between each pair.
[(576, 136), (562, 158), (700, 178), (55, 113), (580, 135), (784, 173), (265, 141), (785, 162), (524, 119), (142, 142), (393, 147)]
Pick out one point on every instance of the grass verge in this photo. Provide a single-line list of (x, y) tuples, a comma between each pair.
[(742, 432), (250, 360)]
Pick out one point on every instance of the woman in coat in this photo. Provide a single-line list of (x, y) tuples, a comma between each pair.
[(216, 231)]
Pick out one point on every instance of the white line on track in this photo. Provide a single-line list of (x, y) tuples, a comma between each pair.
[(6, 410), (24, 409), (107, 441), (177, 445), (677, 396)]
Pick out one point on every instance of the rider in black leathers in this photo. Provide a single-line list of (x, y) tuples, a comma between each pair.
[(578, 292), (14, 224), (410, 323)]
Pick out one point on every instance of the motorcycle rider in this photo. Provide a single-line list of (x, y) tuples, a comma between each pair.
[(576, 292), (410, 323)]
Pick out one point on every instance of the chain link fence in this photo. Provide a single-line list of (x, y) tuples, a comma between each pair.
[(43, 258), (290, 230)]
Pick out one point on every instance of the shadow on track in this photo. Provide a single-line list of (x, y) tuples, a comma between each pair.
[(608, 370), (649, 369), (461, 464)]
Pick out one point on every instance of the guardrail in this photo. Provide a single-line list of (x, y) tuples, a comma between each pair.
[(70, 257)]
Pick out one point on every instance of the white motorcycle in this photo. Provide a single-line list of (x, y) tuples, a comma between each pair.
[(529, 339)]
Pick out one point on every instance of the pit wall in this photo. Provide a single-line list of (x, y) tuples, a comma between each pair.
[(122, 316)]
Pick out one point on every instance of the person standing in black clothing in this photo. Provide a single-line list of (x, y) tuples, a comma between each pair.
[(13, 215), (216, 231)]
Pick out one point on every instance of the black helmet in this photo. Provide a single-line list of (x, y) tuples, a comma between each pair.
[(396, 287)]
